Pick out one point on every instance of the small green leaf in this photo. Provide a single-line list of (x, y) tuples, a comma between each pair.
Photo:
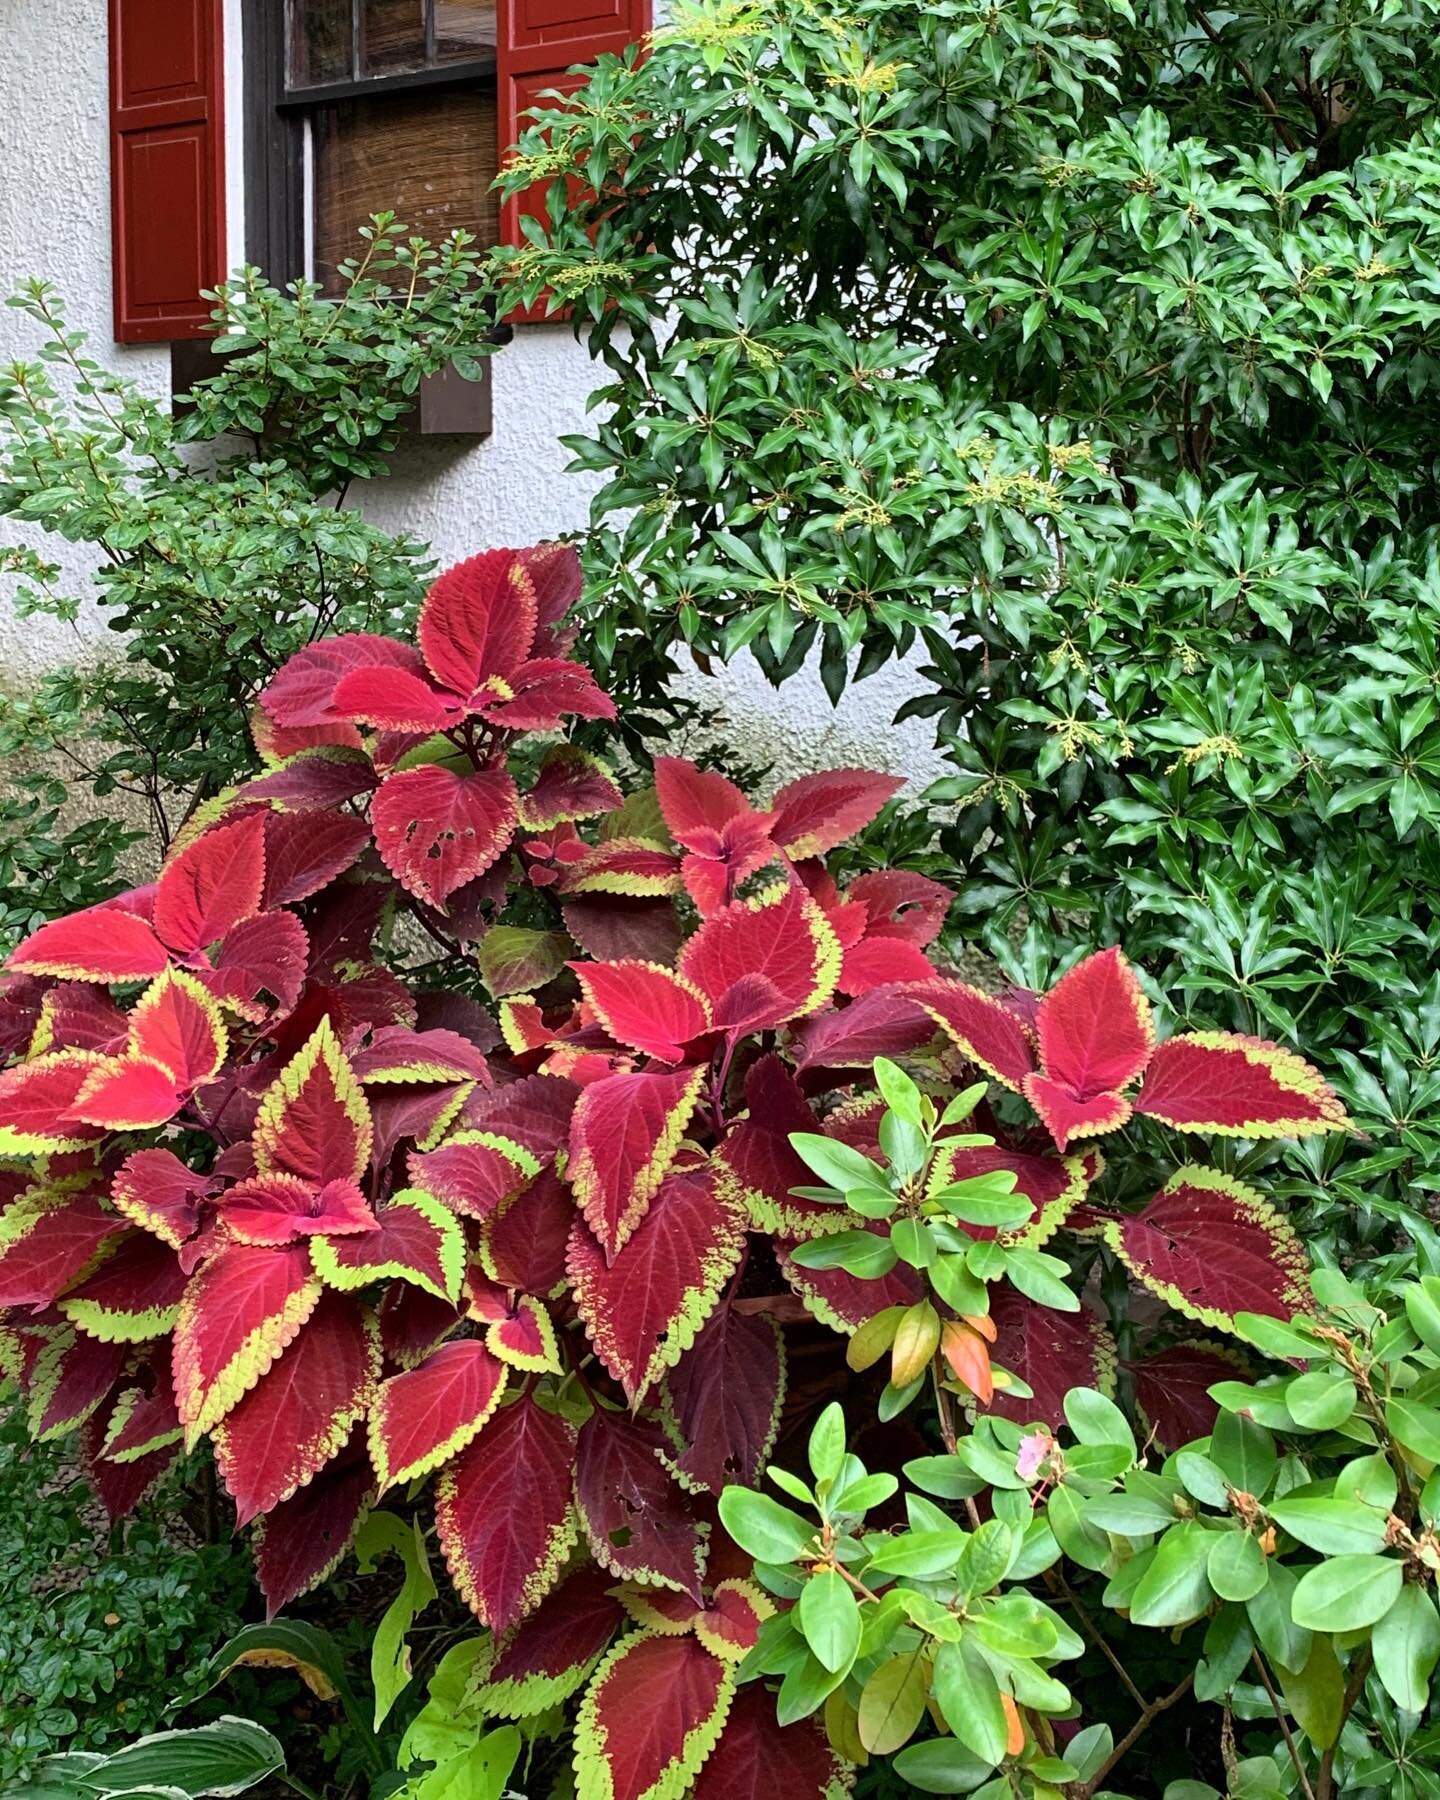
[(892, 1703), (830, 1619), (1236, 1565), (827, 1443), (968, 1696), (763, 1528)]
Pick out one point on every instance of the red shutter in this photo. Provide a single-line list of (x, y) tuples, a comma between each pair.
[(536, 42), (167, 165)]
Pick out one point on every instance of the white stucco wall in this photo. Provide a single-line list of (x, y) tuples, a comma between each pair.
[(55, 222)]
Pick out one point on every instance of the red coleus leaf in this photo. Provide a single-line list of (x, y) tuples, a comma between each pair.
[(525, 1337), (397, 1054), (264, 955), (300, 1414), (1172, 1390), (176, 1024), (133, 1296), (844, 1301), (275, 742), (643, 1307), (144, 1420), (78, 1016), (279, 1209), (415, 1239), (1051, 1352), (1236, 1086), (100, 943), (305, 852), (756, 1164), (1095, 1028), (757, 1758), (697, 804), (211, 885), (303, 693), (652, 1009), (547, 1657), (1211, 1247), (624, 1135), (817, 812), (1065, 1117), (523, 1243), (37, 1101), (572, 784), (478, 621), (723, 1400), (239, 1312), (728, 1625), (533, 1113), (881, 962), (314, 781), (413, 1323), (436, 830), (720, 861), (784, 939), (638, 1521), (880, 1022), (313, 1120), (636, 867), (542, 693), (396, 700), (1053, 1185), (71, 1376), (474, 1172), (503, 1513), (901, 905), (985, 1032), (128, 1094), (651, 1715), (426, 1415), (156, 1191), (120, 1487), (554, 569), (47, 1240), (300, 1541)]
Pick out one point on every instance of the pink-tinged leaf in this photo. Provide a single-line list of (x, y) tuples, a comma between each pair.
[(785, 938), (155, 1190), (697, 804), (413, 1323), (545, 692), (304, 853), (239, 1312), (37, 1104), (534, 1113), (901, 905), (1172, 1389), (426, 1415), (1054, 1186), (396, 700), (652, 1009), (120, 1487), (212, 885), (720, 861), (398, 1054), (133, 1296), (572, 784), (76, 1016), (436, 830), (844, 1301), (301, 1541), (757, 1758), (143, 1421), (880, 962), (316, 781), (728, 1625), (300, 1414), (102, 943), (175, 1023), (985, 1032), (624, 1136), (881, 1022), (817, 812), (478, 621), (71, 1376), (525, 1338), (1065, 1117), (265, 955), (303, 692), (503, 1513), (635, 867), (314, 1121), (753, 1003), (758, 1167), (637, 1520), (1211, 1247), (643, 1308), (1051, 1352), (547, 1658), (1236, 1086), (1095, 1029), (650, 1717), (279, 1209), (475, 1172), (724, 1400), (129, 1093), (47, 1241), (555, 571), (416, 1239), (523, 1243), (275, 743)]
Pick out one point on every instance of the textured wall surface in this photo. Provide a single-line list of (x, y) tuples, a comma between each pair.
[(55, 221)]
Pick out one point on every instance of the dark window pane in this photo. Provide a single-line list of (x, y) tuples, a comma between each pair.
[(319, 42), (429, 158), (392, 36), (463, 28)]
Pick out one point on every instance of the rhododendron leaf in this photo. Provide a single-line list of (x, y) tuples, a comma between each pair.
[(1053, 1185), (514, 959), (426, 1415), (533, 1113), (784, 938), (436, 830), (985, 1032), (156, 1191), (899, 904), (395, 700), (239, 1312), (47, 1240), (525, 1338), (653, 1712), (1172, 1389), (881, 1022), (543, 693), (637, 1521), (643, 1308), (723, 1400), (314, 781), (301, 1541), (313, 1120), (696, 803), (72, 1375), (264, 955), (478, 621), (649, 1008), (729, 1625), (304, 852), (128, 1093), (278, 1209), (37, 1102), (1211, 1247), (503, 1513), (1067, 1118), (303, 692), (474, 1172), (882, 961), (844, 1301), (572, 784), (637, 867), (1095, 1027), (133, 1296), (102, 943), (141, 1423), (1050, 1351), (547, 1657), (417, 1239), (1236, 1086), (299, 1415), (817, 812), (757, 1758), (211, 885), (624, 1135), (523, 1242)]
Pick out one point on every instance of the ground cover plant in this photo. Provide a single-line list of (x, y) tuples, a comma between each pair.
[(573, 1170)]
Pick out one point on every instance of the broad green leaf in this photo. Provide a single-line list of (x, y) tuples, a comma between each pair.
[(763, 1528), (940, 1765), (1347, 1592), (1406, 1646), (1096, 1420), (892, 1702), (380, 1533), (1333, 1527), (1175, 1588), (968, 1696), (1320, 1401), (830, 1619), (1316, 1693), (229, 1756), (1244, 1453), (1236, 1565), (1415, 1426)]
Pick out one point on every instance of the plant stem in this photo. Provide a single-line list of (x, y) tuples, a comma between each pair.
[(1092, 1631), (1285, 1731), (1085, 1789), (1325, 1786)]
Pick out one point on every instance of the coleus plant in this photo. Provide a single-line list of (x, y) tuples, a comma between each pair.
[(272, 1184)]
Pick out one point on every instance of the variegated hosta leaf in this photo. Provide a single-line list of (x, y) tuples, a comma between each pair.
[(624, 1135), (545, 1658), (1234, 1086), (638, 1521), (724, 1399), (426, 1415), (653, 1712)]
